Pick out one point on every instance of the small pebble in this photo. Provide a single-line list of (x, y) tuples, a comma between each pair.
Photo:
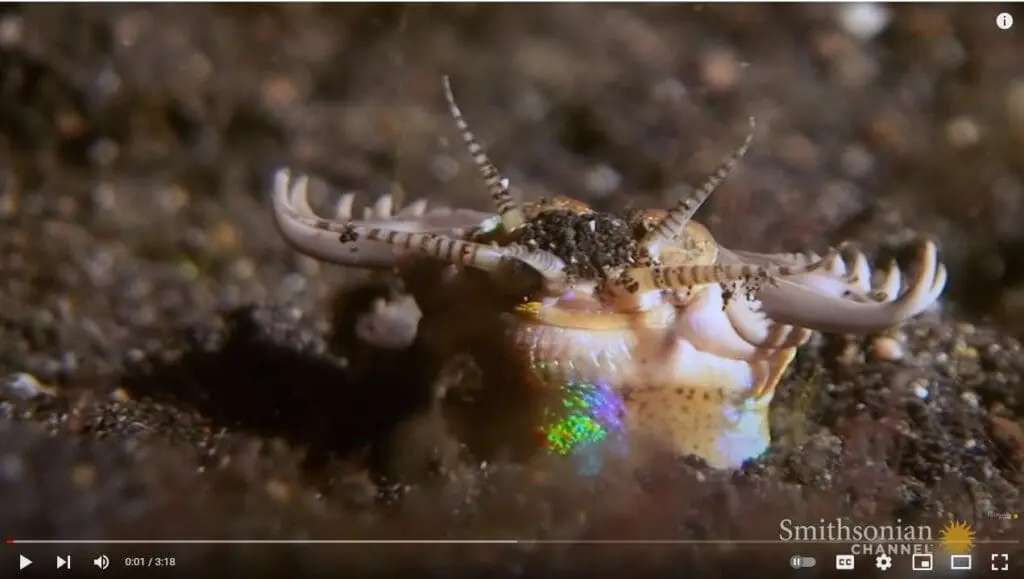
[(279, 491), (12, 32), (225, 237), (887, 348), (962, 132), (279, 91), (8, 202), (857, 162), (391, 325), (971, 398), (532, 106), (104, 152), (669, 91), (26, 386), (602, 180), (720, 70), (83, 476), (864, 20), (120, 395), (12, 467), (1015, 103), (172, 199), (921, 390)]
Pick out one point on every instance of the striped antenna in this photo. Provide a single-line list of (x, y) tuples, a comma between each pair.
[(511, 215), (672, 225)]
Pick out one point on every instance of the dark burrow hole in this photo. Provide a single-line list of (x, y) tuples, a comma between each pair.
[(257, 384)]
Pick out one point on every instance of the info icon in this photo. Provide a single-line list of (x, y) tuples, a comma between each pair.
[(844, 562), (922, 562)]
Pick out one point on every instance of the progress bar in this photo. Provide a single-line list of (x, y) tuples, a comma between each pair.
[(464, 542)]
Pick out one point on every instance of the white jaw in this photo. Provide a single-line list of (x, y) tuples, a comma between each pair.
[(310, 234)]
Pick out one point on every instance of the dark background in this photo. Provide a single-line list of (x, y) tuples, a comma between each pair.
[(196, 378)]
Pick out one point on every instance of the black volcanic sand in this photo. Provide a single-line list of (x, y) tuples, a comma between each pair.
[(174, 371)]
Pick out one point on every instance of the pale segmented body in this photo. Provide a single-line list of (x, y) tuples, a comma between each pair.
[(692, 338)]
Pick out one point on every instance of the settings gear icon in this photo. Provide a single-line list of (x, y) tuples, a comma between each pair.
[(883, 562)]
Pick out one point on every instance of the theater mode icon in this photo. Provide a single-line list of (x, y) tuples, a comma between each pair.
[(960, 562)]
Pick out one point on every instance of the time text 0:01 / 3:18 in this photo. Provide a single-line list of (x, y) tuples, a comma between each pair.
[(149, 561)]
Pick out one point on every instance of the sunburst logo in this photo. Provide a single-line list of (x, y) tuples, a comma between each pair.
[(957, 537)]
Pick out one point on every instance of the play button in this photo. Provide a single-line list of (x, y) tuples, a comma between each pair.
[(23, 562)]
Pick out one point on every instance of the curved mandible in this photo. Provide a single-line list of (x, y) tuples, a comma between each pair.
[(379, 242), (831, 301)]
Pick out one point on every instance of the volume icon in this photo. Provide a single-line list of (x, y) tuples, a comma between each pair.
[(102, 561)]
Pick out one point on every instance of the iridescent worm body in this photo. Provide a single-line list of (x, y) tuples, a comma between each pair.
[(680, 340)]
